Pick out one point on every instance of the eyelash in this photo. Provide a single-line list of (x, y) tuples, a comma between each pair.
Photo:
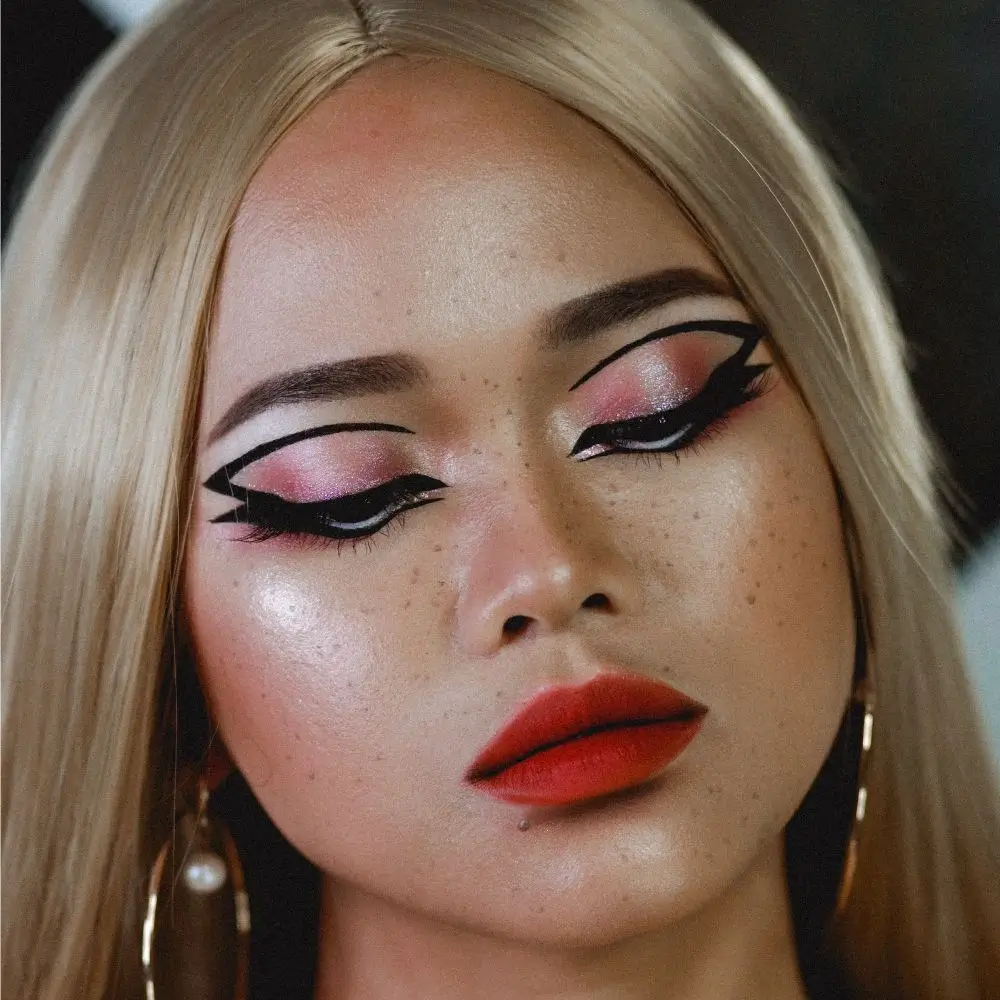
[(313, 540), (292, 522), (686, 425), (271, 516)]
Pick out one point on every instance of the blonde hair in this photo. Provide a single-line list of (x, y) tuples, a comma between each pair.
[(109, 276)]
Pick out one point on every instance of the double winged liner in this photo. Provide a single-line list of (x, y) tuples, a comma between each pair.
[(731, 384), (355, 515)]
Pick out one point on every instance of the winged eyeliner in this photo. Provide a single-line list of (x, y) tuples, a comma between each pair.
[(220, 480), (730, 383), (749, 333)]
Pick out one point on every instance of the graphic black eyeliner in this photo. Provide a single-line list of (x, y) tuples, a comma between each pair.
[(747, 332), (221, 480), (354, 515), (731, 383), (345, 518)]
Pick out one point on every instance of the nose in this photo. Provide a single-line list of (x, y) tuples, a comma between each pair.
[(535, 568)]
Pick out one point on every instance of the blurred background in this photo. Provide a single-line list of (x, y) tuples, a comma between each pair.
[(905, 95)]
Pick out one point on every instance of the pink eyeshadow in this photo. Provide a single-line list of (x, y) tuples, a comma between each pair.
[(322, 468), (660, 376)]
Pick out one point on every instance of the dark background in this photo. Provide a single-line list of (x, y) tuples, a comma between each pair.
[(904, 93)]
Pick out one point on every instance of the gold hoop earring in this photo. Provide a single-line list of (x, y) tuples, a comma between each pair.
[(200, 945), (863, 696)]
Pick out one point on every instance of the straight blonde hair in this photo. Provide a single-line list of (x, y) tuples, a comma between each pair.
[(109, 277)]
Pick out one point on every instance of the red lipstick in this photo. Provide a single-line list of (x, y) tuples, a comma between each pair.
[(573, 743)]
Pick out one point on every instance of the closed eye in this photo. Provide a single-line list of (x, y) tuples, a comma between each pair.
[(356, 515), (731, 385)]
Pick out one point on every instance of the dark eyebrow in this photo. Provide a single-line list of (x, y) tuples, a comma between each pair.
[(570, 323), (378, 373), (594, 312)]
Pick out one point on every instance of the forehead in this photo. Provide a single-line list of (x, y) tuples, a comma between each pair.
[(427, 197)]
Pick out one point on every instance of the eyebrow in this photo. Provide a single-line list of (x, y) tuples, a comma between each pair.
[(571, 323), (590, 314), (367, 376)]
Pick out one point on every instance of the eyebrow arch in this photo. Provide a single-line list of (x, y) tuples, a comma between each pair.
[(377, 373), (570, 323), (590, 314)]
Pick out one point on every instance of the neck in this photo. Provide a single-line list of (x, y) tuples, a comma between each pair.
[(737, 946)]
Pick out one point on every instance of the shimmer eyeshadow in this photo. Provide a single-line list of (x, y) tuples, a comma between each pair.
[(322, 468), (661, 374)]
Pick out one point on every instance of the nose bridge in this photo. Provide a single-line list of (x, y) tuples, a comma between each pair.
[(527, 548), (537, 560)]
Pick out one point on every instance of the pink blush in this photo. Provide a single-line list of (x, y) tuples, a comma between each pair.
[(323, 468)]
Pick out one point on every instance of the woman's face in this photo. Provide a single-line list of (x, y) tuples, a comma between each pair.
[(504, 264)]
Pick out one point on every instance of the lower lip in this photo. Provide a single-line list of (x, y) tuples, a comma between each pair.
[(587, 767)]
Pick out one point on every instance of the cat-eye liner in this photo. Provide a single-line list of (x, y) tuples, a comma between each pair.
[(355, 515), (352, 516), (361, 515), (747, 332), (221, 480), (730, 384)]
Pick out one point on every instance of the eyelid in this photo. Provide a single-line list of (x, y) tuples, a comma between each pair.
[(749, 333), (720, 385), (386, 499), (221, 480), (391, 489)]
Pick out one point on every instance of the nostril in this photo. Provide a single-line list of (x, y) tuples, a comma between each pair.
[(597, 601), (516, 624)]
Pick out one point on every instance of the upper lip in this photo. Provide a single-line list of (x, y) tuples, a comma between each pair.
[(560, 713)]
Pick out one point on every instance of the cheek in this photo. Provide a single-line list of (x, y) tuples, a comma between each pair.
[(323, 679), (296, 676), (791, 602), (745, 545)]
